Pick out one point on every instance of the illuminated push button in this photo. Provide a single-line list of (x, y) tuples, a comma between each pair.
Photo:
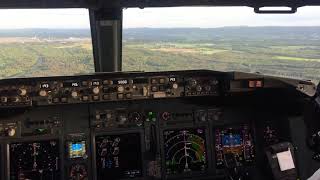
[(22, 92), (85, 98), (4, 99), (106, 97), (162, 80), (56, 100), (105, 90), (162, 88), (154, 81), (64, 99), (74, 94), (128, 95), (106, 82), (96, 90), (84, 83), (175, 86), (154, 88), (43, 93), (96, 98), (120, 96), (120, 88)]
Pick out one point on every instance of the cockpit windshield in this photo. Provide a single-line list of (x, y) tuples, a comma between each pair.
[(223, 39), (45, 42), (36, 42)]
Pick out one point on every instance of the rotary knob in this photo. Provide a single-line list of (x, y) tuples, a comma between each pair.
[(11, 132), (120, 88), (43, 93), (96, 90), (175, 86), (74, 94), (22, 92), (199, 88)]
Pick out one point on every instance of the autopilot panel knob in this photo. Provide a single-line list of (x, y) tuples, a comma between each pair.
[(96, 90), (74, 94), (22, 92), (11, 132)]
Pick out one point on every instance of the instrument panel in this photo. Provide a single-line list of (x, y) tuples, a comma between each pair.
[(103, 88), (163, 125)]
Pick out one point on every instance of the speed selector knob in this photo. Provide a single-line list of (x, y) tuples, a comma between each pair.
[(120, 89), (22, 92), (11, 132), (96, 90), (74, 94)]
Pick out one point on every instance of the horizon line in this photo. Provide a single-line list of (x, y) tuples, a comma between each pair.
[(190, 27)]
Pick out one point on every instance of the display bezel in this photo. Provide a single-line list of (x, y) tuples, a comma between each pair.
[(208, 151), (6, 146), (120, 132)]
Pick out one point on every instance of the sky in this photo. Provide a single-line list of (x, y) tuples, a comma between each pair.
[(201, 17)]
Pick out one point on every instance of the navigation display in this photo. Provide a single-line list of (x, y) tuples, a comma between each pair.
[(185, 151)]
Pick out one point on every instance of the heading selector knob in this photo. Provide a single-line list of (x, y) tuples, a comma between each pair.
[(43, 93), (96, 90)]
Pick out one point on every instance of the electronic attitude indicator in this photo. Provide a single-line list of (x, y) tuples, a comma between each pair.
[(118, 156), (185, 151), (34, 160)]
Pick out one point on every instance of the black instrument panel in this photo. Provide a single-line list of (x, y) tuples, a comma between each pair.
[(174, 125), (106, 87)]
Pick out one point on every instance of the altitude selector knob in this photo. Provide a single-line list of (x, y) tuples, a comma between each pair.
[(22, 92)]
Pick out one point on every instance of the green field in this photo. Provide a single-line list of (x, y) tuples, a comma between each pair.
[(286, 52), (288, 61)]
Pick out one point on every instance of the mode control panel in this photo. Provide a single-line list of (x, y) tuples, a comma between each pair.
[(107, 87)]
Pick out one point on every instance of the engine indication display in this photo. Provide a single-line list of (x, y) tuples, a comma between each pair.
[(235, 142), (185, 151), (34, 160), (118, 156)]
